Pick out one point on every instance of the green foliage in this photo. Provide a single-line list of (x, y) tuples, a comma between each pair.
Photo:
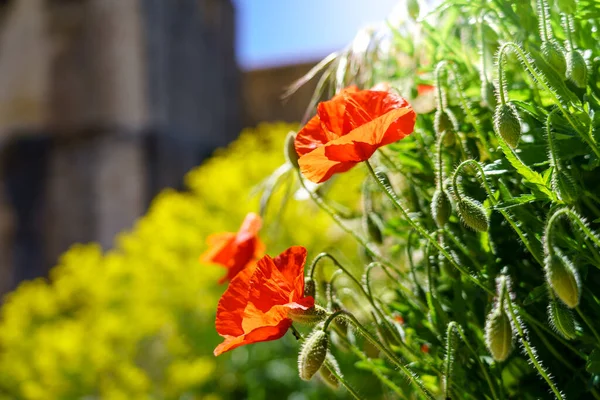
[(137, 322), (522, 210)]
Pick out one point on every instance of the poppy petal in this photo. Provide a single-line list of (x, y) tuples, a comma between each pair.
[(220, 250), (318, 168), (261, 334), (250, 227), (230, 311)]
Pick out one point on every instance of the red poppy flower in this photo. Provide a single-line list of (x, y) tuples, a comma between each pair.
[(255, 306), (235, 251), (349, 128), (424, 89)]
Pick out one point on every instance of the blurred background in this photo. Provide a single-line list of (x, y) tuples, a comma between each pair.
[(110, 111), (103, 103)]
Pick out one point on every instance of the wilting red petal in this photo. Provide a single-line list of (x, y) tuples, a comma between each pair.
[(255, 306), (353, 125), (235, 251)]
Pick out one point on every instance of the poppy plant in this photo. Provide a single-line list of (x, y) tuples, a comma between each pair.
[(235, 251), (255, 306), (349, 128)]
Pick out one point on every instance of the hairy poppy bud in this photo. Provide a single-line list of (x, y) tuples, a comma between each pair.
[(312, 354), (311, 316), (473, 214), (445, 121), (440, 207), (567, 6), (577, 70), (564, 185), (373, 226), (554, 56), (325, 372), (310, 288), (498, 333), (290, 150), (507, 124), (563, 278), (561, 319), (488, 94)]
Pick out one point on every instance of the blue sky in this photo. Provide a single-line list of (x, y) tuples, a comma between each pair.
[(279, 32)]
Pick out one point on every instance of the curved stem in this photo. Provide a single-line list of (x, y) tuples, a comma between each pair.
[(521, 54), (388, 353), (452, 325), (574, 217), (343, 381), (396, 201), (529, 350)]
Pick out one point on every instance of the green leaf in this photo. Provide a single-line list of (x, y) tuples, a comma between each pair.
[(517, 201), (537, 294), (593, 362)]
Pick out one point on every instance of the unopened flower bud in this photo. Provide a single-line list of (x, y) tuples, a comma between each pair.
[(498, 333), (325, 372), (440, 207), (310, 288), (563, 278), (565, 186), (507, 124), (312, 316), (312, 354), (473, 214), (561, 319), (290, 150), (554, 56), (374, 227), (577, 70), (413, 9), (488, 94), (445, 121)]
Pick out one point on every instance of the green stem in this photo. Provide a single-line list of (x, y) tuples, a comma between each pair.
[(530, 352), (554, 159), (589, 325), (454, 326), (574, 217), (543, 19), (396, 201), (569, 116), (461, 247), (388, 353), (343, 381)]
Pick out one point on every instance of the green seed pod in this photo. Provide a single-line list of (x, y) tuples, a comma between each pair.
[(310, 288), (311, 316), (440, 207), (563, 278), (577, 70), (444, 120), (507, 124), (325, 372), (554, 55), (561, 319), (567, 6), (565, 186), (290, 150), (312, 354), (373, 226), (473, 214), (488, 94), (498, 334)]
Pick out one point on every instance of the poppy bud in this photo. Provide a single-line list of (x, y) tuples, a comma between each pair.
[(289, 150), (445, 120), (561, 319), (312, 354), (440, 207), (311, 316), (473, 214), (577, 70), (562, 278), (564, 185), (498, 333), (567, 6), (413, 9), (554, 56), (310, 288), (373, 226), (507, 124), (488, 94), (325, 372)]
